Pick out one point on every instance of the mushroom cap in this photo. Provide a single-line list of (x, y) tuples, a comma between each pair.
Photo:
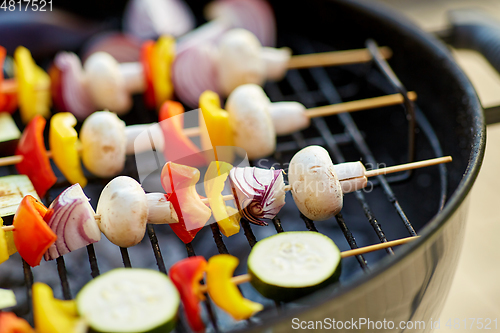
[(123, 210), (316, 188)]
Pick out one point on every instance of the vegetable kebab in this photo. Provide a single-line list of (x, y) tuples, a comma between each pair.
[(251, 122), (283, 267), (124, 209), (317, 187), (237, 57), (30, 90), (70, 222), (71, 89), (105, 140), (101, 146), (103, 83), (121, 300), (148, 20)]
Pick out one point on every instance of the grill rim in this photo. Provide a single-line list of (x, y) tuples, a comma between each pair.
[(383, 13)]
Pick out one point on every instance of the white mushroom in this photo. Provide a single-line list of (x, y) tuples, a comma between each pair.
[(240, 60), (288, 117), (123, 210), (103, 144), (148, 19), (316, 188), (276, 62), (351, 176), (143, 137), (248, 108), (106, 83), (160, 210)]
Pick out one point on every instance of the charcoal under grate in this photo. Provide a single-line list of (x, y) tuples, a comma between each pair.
[(369, 216)]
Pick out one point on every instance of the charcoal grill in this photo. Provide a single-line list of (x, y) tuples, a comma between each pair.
[(407, 283)]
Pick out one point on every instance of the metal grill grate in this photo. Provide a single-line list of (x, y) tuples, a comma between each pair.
[(323, 91)]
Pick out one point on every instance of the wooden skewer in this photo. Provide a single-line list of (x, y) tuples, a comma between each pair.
[(376, 247), (11, 160), (227, 197), (362, 104), (237, 280), (359, 105), (408, 166), (16, 159), (335, 58), (376, 172), (369, 173)]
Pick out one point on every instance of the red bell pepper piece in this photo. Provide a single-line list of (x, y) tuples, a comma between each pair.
[(147, 49), (35, 163), (32, 235), (10, 323), (179, 147), (179, 182), (8, 101), (186, 276)]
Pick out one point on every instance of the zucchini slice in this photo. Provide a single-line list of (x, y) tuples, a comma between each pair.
[(290, 265), (129, 300)]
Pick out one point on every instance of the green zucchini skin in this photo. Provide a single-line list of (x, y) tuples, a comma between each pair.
[(284, 294), (165, 328)]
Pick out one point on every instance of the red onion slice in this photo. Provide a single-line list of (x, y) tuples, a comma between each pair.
[(73, 85), (194, 71), (254, 15), (71, 217), (260, 192)]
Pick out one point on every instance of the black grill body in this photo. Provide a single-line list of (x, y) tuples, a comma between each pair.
[(400, 284)]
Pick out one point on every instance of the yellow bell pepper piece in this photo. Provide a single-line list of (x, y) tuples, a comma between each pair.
[(53, 315), (64, 143), (7, 247), (223, 292), (215, 178), (215, 128), (33, 86), (4, 255), (162, 59)]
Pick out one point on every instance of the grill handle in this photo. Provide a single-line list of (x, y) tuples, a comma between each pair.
[(476, 30)]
